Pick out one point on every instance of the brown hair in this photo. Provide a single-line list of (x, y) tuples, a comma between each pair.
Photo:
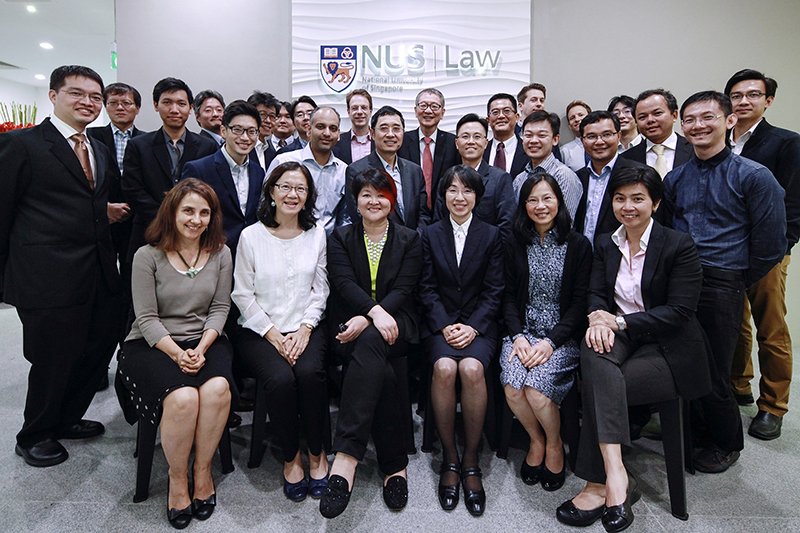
[(162, 232)]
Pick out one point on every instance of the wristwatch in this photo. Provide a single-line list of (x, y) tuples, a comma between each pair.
[(309, 326), (621, 324)]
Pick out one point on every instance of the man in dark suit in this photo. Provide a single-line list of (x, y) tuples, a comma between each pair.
[(356, 143), (779, 150), (428, 146), (386, 129), (282, 127), (154, 161), (656, 111), (267, 106), (57, 263), (529, 99), (600, 134), (236, 178), (301, 117), (504, 151), (208, 106)]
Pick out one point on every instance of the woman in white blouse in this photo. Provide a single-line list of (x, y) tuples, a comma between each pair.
[(280, 287)]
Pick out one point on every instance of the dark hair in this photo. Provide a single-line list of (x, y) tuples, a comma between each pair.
[(266, 211), (162, 232), (575, 103), (523, 227), (121, 89), (466, 175), (302, 100), (672, 102), (596, 116), (543, 116), (647, 176), (358, 92), (58, 78), (626, 100), (385, 111), (523, 93), (168, 85), (472, 117), (202, 96), (770, 85), (240, 107), (380, 180), (501, 96), (709, 96), (262, 98)]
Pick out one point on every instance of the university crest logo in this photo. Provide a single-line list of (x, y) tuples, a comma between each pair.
[(338, 65)]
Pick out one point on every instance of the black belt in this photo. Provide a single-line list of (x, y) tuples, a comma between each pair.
[(723, 273)]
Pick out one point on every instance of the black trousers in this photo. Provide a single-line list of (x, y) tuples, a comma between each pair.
[(69, 349), (720, 315), (295, 394), (630, 374), (370, 403)]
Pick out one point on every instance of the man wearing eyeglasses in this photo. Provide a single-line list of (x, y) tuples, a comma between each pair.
[(327, 170), (733, 209), (267, 106), (431, 148), (356, 143), (504, 151), (57, 263), (751, 93), (301, 111)]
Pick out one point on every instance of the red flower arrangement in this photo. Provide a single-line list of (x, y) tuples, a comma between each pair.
[(16, 116)]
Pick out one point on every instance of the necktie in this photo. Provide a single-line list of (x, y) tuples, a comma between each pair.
[(459, 238), (500, 157), (661, 161), (82, 152), (427, 167), (281, 143)]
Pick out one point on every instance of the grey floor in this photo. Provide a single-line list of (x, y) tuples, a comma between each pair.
[(93, 490)]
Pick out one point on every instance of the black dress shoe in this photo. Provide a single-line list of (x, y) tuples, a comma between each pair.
[(531, 475), (552, 481), (765, 426), (475, 500), (714, 460), (448, 494), (570, 515), (336, 497), (395, 493), (203, 509), (296, 492), (178, 518), (744, 399), (85, 429), (48, 452), (619, 517), (316, 487)]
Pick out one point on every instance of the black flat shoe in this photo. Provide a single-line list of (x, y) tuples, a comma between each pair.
[(395, 493), (620, 517), (765, 426), (335, 498), (296, 492), (475, 500), (203, 509), (178, 518), (570, 515), (530, 474), (553, 481), (316, 487), (448, 494), (48, 452)]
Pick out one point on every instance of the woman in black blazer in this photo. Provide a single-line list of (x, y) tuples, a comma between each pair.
[(544, 309), (643, 342), (460, 289), (374, 269)]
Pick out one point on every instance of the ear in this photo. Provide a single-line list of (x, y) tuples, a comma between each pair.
[(555, 140), (730, 120), (51, 94), (656, 206), (768, 101)]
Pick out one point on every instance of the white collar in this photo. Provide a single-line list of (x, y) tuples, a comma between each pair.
[(620, 235), (63, 128), (464, 227), (671, 142)]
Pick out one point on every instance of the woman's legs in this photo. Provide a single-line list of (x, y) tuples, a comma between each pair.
[(214, 408), (178, 423), (549, 417), (473, 409), (312, 400), (520, 406)]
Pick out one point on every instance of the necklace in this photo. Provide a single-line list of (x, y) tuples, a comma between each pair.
[(192, 270), (375, 249)]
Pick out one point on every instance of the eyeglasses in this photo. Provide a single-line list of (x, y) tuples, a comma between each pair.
[(124, 104), (623, 112), (238, 130), (266, 116), (750, 95), (302, 114), (96, 98), (285, 188), (466, 137), (705, 119), (606, 136), (424, 106), (507, 111)]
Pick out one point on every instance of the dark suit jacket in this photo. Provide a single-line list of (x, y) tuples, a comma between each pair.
[(214, 170), (148, 177), (269, 155), (497, 204), (444, 156), (396, 283), (520, 157), (779, 150), (415, 200), (683, 152), (294, 145), (204, 133), (54, 236), (574, 289), (672, 279), (606, 221), (468, 293)]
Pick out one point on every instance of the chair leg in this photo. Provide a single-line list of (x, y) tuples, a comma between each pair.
[(145, 447), (672, 433), (688, 441), (428, 424), (225, 451), (258, 432), (490, 425), (570, 423), (506, 421)]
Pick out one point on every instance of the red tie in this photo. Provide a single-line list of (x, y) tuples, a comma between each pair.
[(82, 152), (427, 167), (500, 157)]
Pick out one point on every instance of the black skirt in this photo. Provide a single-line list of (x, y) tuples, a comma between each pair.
[(481, 348)]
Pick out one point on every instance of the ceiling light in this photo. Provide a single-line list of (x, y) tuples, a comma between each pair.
[(46, 45), (40, 77), (31, 8)]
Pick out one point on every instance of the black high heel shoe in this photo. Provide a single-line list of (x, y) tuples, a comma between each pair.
[(531, 475), (475, 500), (335, 498), (203, 509), (620, 517), (570, 515), (178, 518), (448, 494)]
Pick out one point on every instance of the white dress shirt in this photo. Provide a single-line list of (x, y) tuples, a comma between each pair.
[(670, 145), (460, 236)]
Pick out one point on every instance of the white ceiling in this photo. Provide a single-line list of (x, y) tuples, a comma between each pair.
[(81, 32)]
